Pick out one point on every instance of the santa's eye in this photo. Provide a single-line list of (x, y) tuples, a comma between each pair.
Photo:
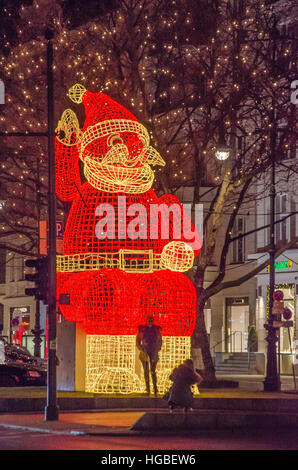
[(114, 139)]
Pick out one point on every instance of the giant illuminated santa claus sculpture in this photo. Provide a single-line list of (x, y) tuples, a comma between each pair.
[(124, 249)]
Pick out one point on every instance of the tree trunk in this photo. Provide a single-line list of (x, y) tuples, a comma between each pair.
[(200, 337)]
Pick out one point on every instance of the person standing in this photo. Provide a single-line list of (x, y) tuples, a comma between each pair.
[(149, 342)]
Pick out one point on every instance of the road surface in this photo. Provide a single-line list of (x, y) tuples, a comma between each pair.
[(275, 439)]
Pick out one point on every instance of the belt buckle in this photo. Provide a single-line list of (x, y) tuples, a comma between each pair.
[(136, 260)]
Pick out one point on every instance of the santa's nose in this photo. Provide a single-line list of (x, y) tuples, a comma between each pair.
[(118, 154)]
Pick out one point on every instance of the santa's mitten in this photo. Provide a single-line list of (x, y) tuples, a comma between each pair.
[(177, 256)]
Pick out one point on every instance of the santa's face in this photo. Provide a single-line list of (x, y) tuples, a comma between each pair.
[(113, 145), (117, 162), (120, 149), (117, 156)]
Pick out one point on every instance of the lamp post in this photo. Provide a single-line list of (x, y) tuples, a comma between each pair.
[(51, 410), (222, 150), (272, 379), (222, 153)]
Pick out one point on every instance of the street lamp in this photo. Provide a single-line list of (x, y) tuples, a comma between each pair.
[(222, 151)]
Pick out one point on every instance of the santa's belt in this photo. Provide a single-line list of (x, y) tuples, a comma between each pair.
[(127, 260)]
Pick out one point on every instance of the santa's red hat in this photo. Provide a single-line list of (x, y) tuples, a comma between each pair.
[(105, 117)]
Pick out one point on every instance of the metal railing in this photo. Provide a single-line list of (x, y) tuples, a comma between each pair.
[(232, 344), (28, 343)]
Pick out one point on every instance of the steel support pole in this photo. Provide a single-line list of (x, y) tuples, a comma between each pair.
[(37, 331), (51, 410), (272, 379)]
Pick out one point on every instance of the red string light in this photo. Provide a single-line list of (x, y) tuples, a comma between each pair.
[(112, 301)]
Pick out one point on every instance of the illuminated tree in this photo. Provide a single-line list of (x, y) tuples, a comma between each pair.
[(190, 71)]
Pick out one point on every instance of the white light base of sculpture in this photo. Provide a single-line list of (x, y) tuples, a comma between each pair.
[(113, 366)]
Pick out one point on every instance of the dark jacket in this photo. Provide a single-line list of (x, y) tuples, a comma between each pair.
[(149, 340), (180, 393)]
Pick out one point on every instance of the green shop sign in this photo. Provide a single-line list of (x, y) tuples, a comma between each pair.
[(281, 265)]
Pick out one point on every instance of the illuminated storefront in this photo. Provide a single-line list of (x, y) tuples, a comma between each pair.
[(286, 280)]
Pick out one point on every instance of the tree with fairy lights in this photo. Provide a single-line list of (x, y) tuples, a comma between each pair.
[(193, 73), (254, 60)]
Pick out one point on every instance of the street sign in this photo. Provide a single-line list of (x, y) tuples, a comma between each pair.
[(59, 230), (281, 265), (282, 324), (287, 313), (288, 324), (278, 295), (43, 237), (278, 307)]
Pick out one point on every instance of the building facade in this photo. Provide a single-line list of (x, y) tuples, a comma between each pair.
[(17, 310)]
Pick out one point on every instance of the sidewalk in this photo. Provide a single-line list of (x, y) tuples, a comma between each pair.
[(83, 413), (115, 423)]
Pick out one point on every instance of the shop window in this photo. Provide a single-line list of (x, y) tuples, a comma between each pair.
[(286, 338), (20, 323)]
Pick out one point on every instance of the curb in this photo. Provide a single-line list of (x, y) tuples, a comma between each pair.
[(160, 423), (69, 432), (196, 421), (265, 404)]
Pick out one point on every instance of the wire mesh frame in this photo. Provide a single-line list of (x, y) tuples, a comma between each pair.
[(115, 179), (112, 363), (110, 130), (91, 230), (113, 126), (114, 302), (128, 260)]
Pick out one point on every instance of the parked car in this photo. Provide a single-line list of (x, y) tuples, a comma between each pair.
[(19, 368)]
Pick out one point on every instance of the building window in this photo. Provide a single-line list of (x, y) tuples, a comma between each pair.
[(20, 268), (292, 219), (1, 318), (16, 268), (285, 230), (281, 212), (2, 266), (238, 248)]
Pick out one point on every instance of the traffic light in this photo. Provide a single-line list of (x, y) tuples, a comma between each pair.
[(40, 278)]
